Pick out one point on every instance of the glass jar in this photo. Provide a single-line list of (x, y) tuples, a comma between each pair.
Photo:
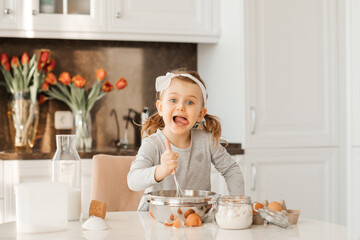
[(233, 212), (66, 169)]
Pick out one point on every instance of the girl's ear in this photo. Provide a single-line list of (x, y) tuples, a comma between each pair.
[(202, 114), (159, 107)]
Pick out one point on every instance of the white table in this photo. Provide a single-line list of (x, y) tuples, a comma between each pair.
[(139, 225)]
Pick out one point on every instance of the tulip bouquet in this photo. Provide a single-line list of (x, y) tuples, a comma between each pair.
[(28, 75), (72, 92), (23, 80)]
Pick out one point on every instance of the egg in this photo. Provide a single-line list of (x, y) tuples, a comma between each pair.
[(188, 212), (193, 220), (257, 206), (276, 206)]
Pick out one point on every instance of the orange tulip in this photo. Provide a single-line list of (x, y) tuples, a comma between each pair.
[(14, 61), (4, 58), (44, 56), (100, 74), (51, 79), (7, 66), (45, 86), (25, 58), (42, 99), (64, 78), (5, 61), (121, 83), (50, 66), (78, 81), (107, 87)]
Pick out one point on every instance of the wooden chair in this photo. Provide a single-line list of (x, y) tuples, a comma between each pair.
[(109, 183)]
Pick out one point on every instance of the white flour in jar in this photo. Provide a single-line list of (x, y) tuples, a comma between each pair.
[(234, 217)]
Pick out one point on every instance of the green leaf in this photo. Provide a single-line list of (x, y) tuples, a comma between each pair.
[(8, 79)]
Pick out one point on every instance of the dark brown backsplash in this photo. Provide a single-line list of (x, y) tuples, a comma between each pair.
[(139, 62)]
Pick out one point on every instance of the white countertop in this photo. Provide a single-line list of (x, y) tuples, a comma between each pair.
[(139, 225)]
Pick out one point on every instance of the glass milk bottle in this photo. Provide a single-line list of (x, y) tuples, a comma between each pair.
[(66, 169)]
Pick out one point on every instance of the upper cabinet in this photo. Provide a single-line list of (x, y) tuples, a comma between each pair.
[(185, 17), (134, 20), (10, 14), (63, 15), (292, 73)]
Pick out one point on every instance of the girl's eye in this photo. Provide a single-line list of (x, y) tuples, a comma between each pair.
[(173, 100), (190, 102)]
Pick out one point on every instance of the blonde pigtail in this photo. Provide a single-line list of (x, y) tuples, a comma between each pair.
[(212, 125), (151, 125)]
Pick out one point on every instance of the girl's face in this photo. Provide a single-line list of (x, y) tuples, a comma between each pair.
[(180, 106)]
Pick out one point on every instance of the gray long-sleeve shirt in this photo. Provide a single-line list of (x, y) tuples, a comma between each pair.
[(194, 166)]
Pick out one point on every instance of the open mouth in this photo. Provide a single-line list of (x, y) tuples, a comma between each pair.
[(179, 120)]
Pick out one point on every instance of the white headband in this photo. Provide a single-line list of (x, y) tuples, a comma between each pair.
[(163, 82)]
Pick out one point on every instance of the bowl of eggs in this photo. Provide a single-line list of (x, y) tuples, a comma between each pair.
[(166, 207), (272, 208)]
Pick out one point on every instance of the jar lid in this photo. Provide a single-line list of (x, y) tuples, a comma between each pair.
[(233, 199), (274, 217)]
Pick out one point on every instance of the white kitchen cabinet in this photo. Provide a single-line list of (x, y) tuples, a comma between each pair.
[(305, 178), (292, 66), (23, 171), (130, 20), (186, 17), (64, 15), (292, 114), (10, 14)]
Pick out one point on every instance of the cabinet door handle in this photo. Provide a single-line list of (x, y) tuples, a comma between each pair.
[(253, 180), (253, 117), (7, 11), (118, 14), (34, 12)]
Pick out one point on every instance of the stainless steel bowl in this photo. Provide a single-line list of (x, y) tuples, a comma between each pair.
[(164, 204)]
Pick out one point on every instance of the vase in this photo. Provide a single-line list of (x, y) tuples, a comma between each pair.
[(82, 123), (23, 117)]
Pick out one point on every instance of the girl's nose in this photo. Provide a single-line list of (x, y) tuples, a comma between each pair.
[(180, 107)]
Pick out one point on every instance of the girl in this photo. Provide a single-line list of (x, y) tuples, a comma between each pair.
[(172, 141)]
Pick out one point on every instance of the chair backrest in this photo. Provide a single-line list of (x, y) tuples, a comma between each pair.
[(109, 183)]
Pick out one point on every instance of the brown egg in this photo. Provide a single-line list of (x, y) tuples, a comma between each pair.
[(193, 220), (188, 212), (276, 206)]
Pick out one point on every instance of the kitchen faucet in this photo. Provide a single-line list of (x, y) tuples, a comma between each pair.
[(117, 140), (129, 118)]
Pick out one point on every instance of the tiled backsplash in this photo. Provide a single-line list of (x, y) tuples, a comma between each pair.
[(139, 62)]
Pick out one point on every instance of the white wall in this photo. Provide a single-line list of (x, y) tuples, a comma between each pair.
[(222, 68)]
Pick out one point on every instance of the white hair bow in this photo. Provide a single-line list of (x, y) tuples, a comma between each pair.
[(163, 82)]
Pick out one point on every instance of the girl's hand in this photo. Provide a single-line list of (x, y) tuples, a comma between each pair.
[(168, 163)]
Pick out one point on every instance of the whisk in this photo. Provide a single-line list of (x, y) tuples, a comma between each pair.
[(179, 192)]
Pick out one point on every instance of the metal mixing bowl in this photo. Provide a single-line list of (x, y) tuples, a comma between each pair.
[(163, 204)]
